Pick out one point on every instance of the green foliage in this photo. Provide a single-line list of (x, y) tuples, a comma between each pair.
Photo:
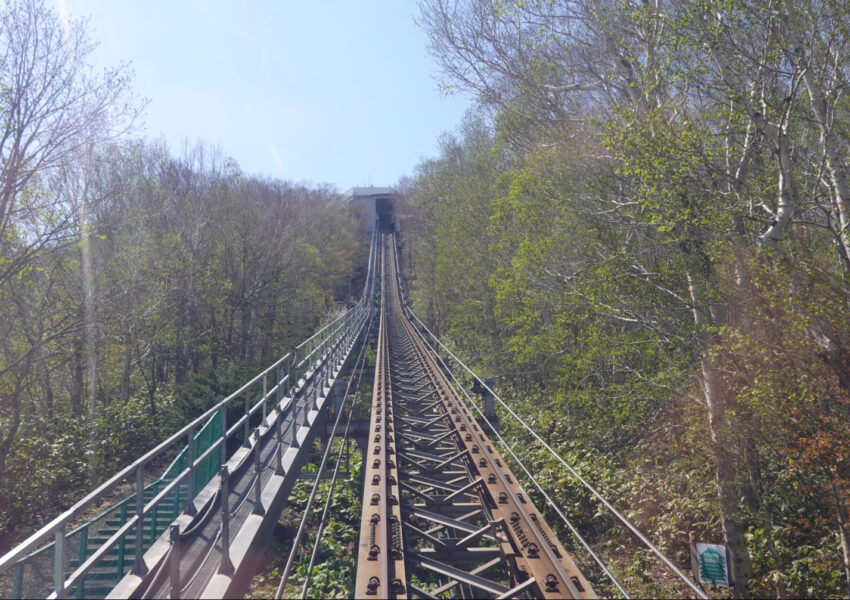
[(124, 432), (200, 276), (602, 269), (209, 386), (52, 459), (49, 470), (334, 571)]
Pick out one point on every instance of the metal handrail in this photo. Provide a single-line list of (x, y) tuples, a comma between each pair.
[(23, 548), (151, 506)]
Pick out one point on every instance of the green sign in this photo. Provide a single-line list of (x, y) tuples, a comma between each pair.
[(713, 564)]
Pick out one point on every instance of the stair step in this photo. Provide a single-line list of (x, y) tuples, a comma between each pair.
[(105, 575), (129, 551), (96, 541), (108, 563), (97, 592)]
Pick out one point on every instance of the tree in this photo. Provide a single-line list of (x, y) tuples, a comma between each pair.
[(52, 111)]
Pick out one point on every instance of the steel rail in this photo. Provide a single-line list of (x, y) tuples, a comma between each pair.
[(380, 570), (537, 485), (531, 477)]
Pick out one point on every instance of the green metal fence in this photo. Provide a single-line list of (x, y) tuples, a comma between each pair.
[(31, 573)]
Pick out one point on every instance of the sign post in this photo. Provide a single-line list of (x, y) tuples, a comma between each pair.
[(710, 563)]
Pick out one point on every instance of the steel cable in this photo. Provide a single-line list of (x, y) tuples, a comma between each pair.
[(687, 580), (551, 502), (301, 527), (212, 546), (322, 521), (243, 497)]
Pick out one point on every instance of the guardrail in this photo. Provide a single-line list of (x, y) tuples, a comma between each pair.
[(143, 515), (84, 536)]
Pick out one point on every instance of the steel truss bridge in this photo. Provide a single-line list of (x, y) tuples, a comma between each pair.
[(442, 514), (437, 496)]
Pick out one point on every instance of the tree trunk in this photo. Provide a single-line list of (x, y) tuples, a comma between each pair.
[(91, 350), (243, 344), (724, 463), (43, 377), (125, 369), (837, 178), (843, 533), (152, 386), (727, 488), (47, 388), (14, 400), (216, 340), (231, 326), (77, 377), (785, 189), (181, 362)]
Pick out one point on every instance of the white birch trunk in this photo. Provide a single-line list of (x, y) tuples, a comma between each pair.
[(785, 190), (727, 487), (837, 178)]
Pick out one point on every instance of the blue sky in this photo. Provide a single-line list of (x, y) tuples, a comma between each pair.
[(321, 91)]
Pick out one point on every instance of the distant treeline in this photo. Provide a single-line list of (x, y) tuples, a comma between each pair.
[(642, 233), (137, 286)]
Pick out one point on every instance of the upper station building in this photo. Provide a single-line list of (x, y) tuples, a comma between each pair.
[(375, 203)]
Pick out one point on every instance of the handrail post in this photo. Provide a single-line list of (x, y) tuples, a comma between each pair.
[(174, 559), (329, 365), (154, 515), (59, 562), (307, 401), (226, 566), (338, 352), (190, 484), (17, 580), (223, 410), (289, 371), (341, 348), (278, 469), (139, 566), (176, 493), (84, 542), (258, 482), (279, 388), (294, 426), (122, 541), (265, 393), (246, 442)]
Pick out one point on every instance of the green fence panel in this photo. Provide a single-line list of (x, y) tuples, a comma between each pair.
[(207, 468)]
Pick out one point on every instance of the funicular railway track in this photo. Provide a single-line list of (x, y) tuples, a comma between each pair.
[(442, 513)]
